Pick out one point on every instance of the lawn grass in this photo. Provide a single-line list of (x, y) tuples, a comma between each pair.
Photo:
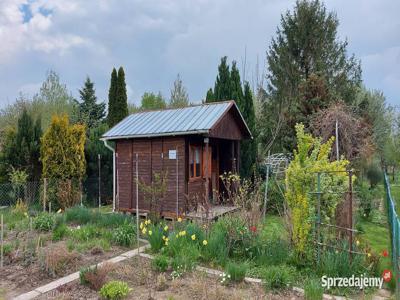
[(273, 226)]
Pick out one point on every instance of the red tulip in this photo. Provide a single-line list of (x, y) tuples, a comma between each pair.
[(253, 228), (385, 253)]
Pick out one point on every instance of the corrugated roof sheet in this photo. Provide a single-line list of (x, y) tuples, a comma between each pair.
[(188, 120)]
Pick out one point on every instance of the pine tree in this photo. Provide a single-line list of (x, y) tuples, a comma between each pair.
[(122, 98), (22, 146), (236, 92), (179, 96), (248, 148), (112, 100), (222, 87), (210, 96), (90, 112), (305, 52)]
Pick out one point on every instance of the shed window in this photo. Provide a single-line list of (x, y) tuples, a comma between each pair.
[(195, 161)]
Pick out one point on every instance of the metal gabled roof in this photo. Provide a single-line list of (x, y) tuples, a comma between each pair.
[(189, 120)]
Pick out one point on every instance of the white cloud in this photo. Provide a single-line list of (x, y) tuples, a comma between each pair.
[(154, 40)]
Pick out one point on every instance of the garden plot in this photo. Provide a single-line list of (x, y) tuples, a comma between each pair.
[(145, 282), (38, 248)]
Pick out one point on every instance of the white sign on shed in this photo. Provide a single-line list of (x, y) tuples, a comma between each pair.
[(172, 154)]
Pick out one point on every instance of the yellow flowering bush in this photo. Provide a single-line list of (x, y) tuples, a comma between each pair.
[(311, 157)]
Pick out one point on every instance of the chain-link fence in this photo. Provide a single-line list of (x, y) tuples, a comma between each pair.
[(394, 226), (90, 192)]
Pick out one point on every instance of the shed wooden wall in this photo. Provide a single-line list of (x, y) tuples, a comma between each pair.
[(153, 158)]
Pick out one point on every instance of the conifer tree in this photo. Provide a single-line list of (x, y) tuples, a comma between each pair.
[(122, 98), (248, 148), (222, 85), (210, 95), (236, 92), (90, 112), (112, 100)]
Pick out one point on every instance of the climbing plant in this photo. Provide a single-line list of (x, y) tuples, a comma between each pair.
[(311, 157)]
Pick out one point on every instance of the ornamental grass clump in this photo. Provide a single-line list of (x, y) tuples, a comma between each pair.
[(160, 263), (236, 271), (124, 235), (278, 277), (313, 290)]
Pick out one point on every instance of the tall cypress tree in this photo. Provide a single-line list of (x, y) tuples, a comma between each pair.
[(112, 99), (248, 148), (122, 98)]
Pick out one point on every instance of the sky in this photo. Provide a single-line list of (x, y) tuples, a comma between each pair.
[(156, 40)]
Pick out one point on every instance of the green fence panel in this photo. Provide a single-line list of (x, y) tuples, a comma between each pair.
[(394, 225)]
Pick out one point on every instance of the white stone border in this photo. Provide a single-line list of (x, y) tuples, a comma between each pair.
[(74, 276)]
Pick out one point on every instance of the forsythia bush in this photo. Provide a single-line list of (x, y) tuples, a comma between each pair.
[(311, 157)]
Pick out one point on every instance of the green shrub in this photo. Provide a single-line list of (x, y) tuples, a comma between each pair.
[(193, 229), (337, 264), (82, 275), (78, 215), (124, 235), (216, 249), (86, 233), (236, 271), (59, 232), (112, 220), (155, 234), (277, 277), (160, 263), (7, 249), (115, 290), (274, 251), (186, 260), (313, 290), (44, 222), (239, 238)]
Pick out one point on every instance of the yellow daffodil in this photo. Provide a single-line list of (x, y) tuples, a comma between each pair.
[(369, 254), (357, 242), (26, 214), (148, 221), (163, 237), (150, 232), (182, 233), (144, 230), (177, 235), (166, 243), (193, 237), (167, 239), (179, 219), (141, 226), (166, 228), (205, 242)]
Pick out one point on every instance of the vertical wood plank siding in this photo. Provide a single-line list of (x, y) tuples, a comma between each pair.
[(153, 158)]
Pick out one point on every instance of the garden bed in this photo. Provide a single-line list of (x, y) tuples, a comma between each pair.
[(39, 248), (146, 282)]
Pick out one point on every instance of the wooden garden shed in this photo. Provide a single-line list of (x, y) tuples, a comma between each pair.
[(190, 146)]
